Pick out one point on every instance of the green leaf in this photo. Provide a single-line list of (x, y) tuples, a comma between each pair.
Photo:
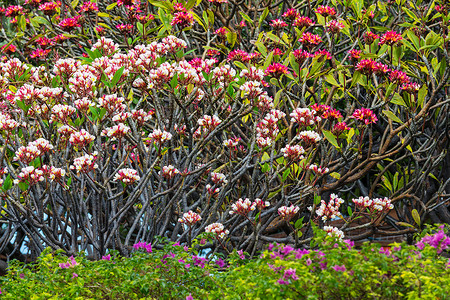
[(111, 6), (286, 174), (7, 183), (317, 199), (117, 76), (246, 18), (263, 16), (74, 3), (41, 20), (299, 223), (404, 224), (23, 186), (231, 38), (414, 39), (268, 60), (140, 27), (349, 211), (391, 116), (416, 217), (421, 95), (331, 138), (103, 15)]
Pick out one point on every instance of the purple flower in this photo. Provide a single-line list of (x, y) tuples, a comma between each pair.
[(308, 261), (323, 266), (339, 268), (74, 275), (189, 297), (439, 240), (143, 245), (220, 262), (199, 261), (290, 273), (350, 244), (385, 251), (241, 254), (281, 281), (106, 257), (300, 252), (22, 275)]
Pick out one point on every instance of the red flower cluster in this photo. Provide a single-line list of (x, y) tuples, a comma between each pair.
[(391, 38), (276, 70), (365, 115), (69, 23), (309, 40), (326, 11)]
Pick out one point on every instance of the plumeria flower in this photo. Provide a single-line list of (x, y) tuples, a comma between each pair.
[(169, 171), (160, 136), (330, 210), (288, 212), (370, 37), (333, 231), (365, 115), (303, 22), (218, 229), (190, 218), (309, 137), (127, 176), (294, 153), (391, 38), (310, 40), (242, 207), (276, 70), (260, 204), (326, 11), (335, 26), (85, 163), (291, 14), (278, 24)]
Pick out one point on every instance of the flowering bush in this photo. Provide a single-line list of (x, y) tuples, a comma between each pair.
[(332, 269), (118, 118)]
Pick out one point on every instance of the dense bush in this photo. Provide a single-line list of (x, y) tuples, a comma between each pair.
[(331, 270), (129, 120)]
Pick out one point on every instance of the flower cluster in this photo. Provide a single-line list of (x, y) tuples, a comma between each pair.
[(333, 231), (169, 171), (331, 210), (218, 229), (69, 264), (304, 117), (439, 240), (310, 40), (190, 218), (242, 207), (309, 137), (30, 175), (288, 212), (159, 136), (85, 163), (391, 38), (143, 245), (377, 204), (127, 176), (365, 115), (294, 153), (81, 139)]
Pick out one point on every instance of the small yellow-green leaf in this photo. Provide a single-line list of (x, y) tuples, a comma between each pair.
[(416, 217), (391, 116)]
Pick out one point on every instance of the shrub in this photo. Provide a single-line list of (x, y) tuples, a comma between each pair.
[(153, 110)]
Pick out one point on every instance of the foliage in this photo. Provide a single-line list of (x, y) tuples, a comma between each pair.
[(124, 121), (333, 269)]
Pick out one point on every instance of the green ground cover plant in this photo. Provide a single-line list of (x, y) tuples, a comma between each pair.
[(331, 269)]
